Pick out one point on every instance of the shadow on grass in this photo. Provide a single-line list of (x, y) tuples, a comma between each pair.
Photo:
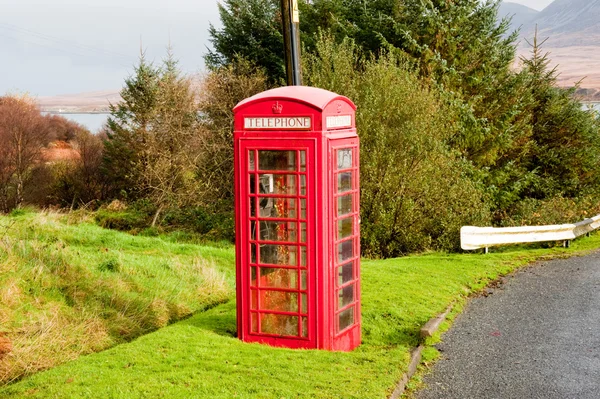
[(221, 320)]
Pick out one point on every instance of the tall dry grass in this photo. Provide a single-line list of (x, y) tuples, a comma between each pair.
[(70, 288)]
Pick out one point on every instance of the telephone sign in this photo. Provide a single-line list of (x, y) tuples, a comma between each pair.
[(275, 123)]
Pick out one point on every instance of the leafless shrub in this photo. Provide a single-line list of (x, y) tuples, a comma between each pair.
[(23, 134)]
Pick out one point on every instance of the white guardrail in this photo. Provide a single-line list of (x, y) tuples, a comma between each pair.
[(472, 238)]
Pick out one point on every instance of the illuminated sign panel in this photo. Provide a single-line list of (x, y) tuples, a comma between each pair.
[(279, 123), (338, 121)]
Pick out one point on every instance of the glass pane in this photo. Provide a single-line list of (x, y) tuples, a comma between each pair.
[(277, 231), (252, 184), (345, 251), (345, 228), (304, 327), (252, 206), (254, 299), (304, 298), (345, 273), (303, 256), (302, 185), (279, 301), (278, 278), (253, 276), (346, 319), (278, 254), (302, 161), (344, 205), (277, 160), (252, 253), (277, 207), (277, 184), (254, 322), (279, 324), (304, 280), (302, 209), (345, 296), (344, 182), (250, 160), (302, 232), (344, 158)]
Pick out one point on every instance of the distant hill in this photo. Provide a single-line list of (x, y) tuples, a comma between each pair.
[(97, 101), (520, 14), (568, 23), (572, 28)]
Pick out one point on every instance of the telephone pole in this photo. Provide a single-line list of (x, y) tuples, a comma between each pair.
[(290, 18)]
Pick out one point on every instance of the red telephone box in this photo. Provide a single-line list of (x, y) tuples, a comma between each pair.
[(297, 219)]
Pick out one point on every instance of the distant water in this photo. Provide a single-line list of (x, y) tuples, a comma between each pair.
[(93, 122), (595, 106)]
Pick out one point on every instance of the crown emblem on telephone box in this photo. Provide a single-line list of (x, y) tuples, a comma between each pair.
[(277, 108)]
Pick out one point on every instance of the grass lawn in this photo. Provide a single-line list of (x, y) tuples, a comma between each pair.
[(69, 287), (200, 357)]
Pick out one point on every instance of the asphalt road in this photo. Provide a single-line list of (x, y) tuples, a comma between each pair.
[(536, 336)]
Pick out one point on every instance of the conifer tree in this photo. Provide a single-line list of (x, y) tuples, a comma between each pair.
[(152, 140), (128, 128), (251, 30), (172, 145), (566, 137)]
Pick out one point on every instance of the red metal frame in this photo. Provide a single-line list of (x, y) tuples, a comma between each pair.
[(345, 336), (251, 147), (273, 305)]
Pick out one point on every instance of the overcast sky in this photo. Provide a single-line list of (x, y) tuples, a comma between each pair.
[(52, 47), (70, 46)]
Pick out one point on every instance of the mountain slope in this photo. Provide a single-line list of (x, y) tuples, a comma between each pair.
[(97, 101), (572, 30), (568, 23), (520, 14)]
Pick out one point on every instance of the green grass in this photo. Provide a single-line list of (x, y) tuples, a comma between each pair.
[(70, 287), (200, 357)]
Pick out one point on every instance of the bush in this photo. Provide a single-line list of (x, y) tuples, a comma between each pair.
[(416, 192), (203, 224), (557, 210), (209, 224), (21, 212), (128, 220)]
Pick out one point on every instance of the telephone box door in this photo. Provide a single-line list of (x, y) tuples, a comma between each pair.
[(278, 276)]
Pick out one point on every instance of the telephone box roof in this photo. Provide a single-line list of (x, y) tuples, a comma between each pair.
[(312, 96)]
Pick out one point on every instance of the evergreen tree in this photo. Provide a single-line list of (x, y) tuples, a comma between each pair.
[(458, 46), (567, 138), (128, 128), (251, 30), (152, 145), (172, 146), (521, 136)]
